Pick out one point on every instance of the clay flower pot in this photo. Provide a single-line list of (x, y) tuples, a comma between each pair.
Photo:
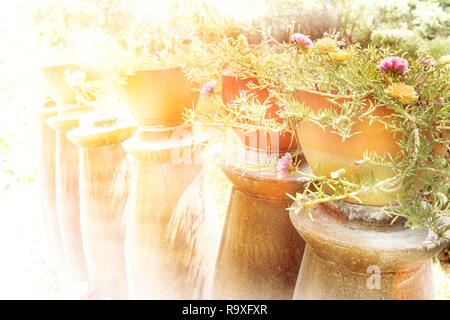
[(158, 97), (56, 84), (59, 90), (232, 86), (326, 152)]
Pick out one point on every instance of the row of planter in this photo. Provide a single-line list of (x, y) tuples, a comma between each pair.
[(162, 232), (164, 105), (106, 215)]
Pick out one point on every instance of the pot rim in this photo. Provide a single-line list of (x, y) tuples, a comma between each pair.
[(232, 74), (53, 65), (88, 137), (132, 73)]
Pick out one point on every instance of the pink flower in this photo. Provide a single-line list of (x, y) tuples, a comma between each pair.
[(394, 64), (208, 88), (302, 40), (283, 166), (428, 63)]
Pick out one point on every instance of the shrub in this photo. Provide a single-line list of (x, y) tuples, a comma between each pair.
[(402, 39), (439, 46), (310, 17), (426, 18)]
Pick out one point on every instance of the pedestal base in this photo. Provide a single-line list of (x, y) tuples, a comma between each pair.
[(171, 230), (68, 207), (104, 186), (352, 255), (48, 184), (104, 180), (260, 251), (68, 199)]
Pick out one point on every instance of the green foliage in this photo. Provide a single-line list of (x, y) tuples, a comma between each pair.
[(429, 20), (202, 20), (283, 17), (401, 39), (439, 46), (422, 126), (402, 24), (358, 19)]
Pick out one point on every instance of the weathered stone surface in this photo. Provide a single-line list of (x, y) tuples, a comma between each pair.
[(352, 253)]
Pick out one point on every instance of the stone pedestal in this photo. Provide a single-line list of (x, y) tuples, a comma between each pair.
[(352, 254), (47, 139), (67, 198), (104, 185), (260, 250), (170, 227)]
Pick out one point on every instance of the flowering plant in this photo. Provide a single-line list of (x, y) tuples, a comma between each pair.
[(304, 41), (415, 97), (359, 83), (236, 57), (394, 64)]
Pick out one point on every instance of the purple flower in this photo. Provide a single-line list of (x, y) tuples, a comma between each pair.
[(208, 88), (302, 40), (283, 166), (394, 64)]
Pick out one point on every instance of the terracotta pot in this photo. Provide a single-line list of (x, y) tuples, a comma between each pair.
[(60, 91), (354, 254), (104, 184), (159, 96), (326, 152), (67, 198), (232, 86), (55, 82)]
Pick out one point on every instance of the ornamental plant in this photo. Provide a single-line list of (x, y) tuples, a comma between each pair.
[(369, 88), (235, 56), (128, 53)]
